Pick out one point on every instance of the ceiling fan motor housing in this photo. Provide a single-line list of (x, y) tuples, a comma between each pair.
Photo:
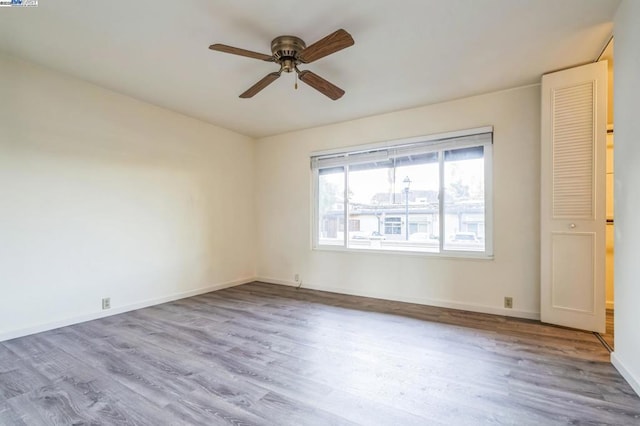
[(285, 50)]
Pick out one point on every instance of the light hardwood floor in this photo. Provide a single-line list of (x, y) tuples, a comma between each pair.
[(273, 355)]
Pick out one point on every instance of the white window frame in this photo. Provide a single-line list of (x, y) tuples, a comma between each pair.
[(439, 142)]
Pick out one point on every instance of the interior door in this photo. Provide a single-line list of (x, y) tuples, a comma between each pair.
[(572, 197)]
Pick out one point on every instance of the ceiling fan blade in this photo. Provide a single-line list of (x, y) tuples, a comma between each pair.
[(242, 52), (330, 44), (267, 80), (321, 85)]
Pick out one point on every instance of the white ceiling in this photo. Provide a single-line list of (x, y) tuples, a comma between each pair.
[(407, 53)]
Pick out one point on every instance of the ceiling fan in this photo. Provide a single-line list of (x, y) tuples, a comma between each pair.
[(289, 52)]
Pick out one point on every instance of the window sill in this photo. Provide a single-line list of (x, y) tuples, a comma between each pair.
[(460, 255)]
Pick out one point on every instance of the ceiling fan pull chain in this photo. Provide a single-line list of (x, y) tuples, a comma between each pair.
[(296, 85)]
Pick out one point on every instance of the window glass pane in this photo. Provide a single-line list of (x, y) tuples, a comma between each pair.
[(368, 195), (392, 214), (464, 208), (419, 185), (331, 206)]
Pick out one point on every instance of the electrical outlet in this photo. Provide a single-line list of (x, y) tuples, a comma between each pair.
[(106, 303), (296, 278), (508, 302)]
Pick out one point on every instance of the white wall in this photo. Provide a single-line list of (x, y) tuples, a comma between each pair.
[(283, 198), (102, 195), (627, 197)]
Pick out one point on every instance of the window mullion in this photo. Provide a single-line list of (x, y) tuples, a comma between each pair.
[(441, 201), (488, 198), (346, 206), (315, 237)]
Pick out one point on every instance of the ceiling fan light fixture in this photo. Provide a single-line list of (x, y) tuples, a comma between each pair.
[(288, 64)]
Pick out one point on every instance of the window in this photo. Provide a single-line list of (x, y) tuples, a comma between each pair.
[(429, 194), (392, 225)]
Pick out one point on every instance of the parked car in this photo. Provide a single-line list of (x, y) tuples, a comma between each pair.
[(361, 235), (358, 235), (375, 235), (466, 237), (420, 236)]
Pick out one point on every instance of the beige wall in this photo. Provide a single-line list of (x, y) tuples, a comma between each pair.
[(103, 195), (626, 197), (283, 194)]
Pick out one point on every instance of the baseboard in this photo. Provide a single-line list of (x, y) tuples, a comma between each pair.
[(280, 282), (419, 300), (634, 382), (118, 310), (609, 304)]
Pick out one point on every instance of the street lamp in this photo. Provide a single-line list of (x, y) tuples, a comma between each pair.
[(407, 184), (377, 214)]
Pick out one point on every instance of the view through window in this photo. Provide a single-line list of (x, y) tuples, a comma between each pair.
[(429, 196)]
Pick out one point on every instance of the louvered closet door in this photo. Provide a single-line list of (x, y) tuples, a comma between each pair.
[(572, 200)]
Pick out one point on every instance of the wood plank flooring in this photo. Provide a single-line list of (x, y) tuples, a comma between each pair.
[(271, 355)]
